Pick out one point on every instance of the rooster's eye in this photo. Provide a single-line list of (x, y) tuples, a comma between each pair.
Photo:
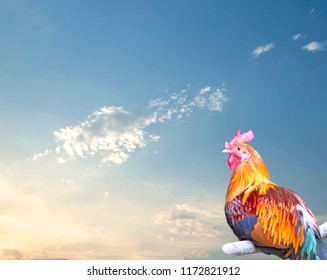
[(238, 148)]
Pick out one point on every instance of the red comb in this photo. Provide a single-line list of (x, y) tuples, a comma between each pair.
[(243, 138)]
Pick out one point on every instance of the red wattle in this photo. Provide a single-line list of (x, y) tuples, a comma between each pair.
[(233, 161)]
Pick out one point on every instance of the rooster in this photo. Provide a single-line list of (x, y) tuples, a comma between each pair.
[(274, 218)]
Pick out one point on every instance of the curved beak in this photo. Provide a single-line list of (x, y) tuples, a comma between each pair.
[(225, 151)]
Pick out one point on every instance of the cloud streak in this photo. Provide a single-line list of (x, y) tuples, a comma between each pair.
[(185, 102), (315, 46), (261, 50), (113, 133), (297, 37), (187, 221), (11, 254)]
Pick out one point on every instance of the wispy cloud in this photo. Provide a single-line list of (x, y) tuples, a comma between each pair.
[(315, 46), (184, 103), (113, 133), (188, 221), (261, 50), (11, 254), (42, 154), (67, 181), (298, 36)]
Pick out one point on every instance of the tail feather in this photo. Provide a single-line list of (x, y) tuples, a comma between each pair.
[(313, 248), (321, 250)]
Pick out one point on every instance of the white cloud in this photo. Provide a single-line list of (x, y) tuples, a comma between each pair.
[(184, 103), (12, 221), (191, 222), (297, 37), (197, 255), (60, 159), (42, 154), (153, 118), (205, 90), (200, 211), (216, 100), (158, 102), (67, 181), (262, 49), (113, 133), (315, 46)]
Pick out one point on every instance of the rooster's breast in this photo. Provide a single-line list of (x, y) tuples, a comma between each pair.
[(241, 216)]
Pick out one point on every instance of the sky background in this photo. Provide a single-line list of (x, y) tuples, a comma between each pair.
[(113, 115)]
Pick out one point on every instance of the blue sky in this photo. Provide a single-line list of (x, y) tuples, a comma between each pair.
[(114, 114)]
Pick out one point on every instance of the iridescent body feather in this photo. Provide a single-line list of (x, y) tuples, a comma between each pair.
[(274, 218)]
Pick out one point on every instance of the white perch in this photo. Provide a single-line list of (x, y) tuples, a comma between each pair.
[(246, 247)]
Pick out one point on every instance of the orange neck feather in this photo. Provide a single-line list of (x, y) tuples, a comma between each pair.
[(250, 175)]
